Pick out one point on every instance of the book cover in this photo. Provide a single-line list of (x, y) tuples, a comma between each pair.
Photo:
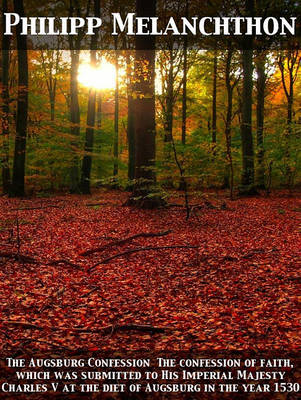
[(150, 181)]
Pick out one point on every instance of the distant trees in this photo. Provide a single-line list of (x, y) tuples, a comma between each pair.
[(51, 65), (289, 62), (220, 110)]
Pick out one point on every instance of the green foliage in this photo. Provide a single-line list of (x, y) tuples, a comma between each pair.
[(50, 147)]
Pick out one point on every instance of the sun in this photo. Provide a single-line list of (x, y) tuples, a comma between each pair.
[(101, 78)]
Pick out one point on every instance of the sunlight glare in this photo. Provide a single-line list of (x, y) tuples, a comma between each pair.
[(100, 78)]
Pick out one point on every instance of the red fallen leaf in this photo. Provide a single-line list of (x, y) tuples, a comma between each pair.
[(93, 348), (212, 297)]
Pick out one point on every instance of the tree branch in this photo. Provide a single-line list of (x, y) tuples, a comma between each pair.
[(34, 208), (105, 330), (19, 257), (106, 260), (123, 241)]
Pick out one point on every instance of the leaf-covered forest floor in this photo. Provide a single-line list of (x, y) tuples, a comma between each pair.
[(236, 290)]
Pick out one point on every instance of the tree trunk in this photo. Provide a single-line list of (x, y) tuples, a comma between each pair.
[(89, 140), (99, 110), (290, 102), (261, 82), (91, 116), (130, 122), (290, 113), (144, 115), (247, 180), (168, 123), (185, 73), (229, 178), (75, 122), (169, 101), (116, 117), (184, 98), (131, 139), (52, 107), (75, 45), (183, 184), (214, 97), (18, 182), (246, 126), (5, 107), (293, 63)]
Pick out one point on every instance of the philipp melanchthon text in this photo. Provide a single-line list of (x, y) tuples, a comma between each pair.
[(132, 25)]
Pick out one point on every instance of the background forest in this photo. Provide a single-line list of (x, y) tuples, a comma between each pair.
[(220, 115)]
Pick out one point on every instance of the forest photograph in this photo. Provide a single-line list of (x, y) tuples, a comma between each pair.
[(150, 187)]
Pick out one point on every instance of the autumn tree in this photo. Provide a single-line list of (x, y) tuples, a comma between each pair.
[(78, 9), (247, 180), (91, 115), (231, 82), (125, 42), (116, 114), (183, 184), (168, 104), (184, 95), (51, 64), (5, 105), (18, 181), (144, 115), (130, 120), (260, 108), (214, 97), (289, 63)]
